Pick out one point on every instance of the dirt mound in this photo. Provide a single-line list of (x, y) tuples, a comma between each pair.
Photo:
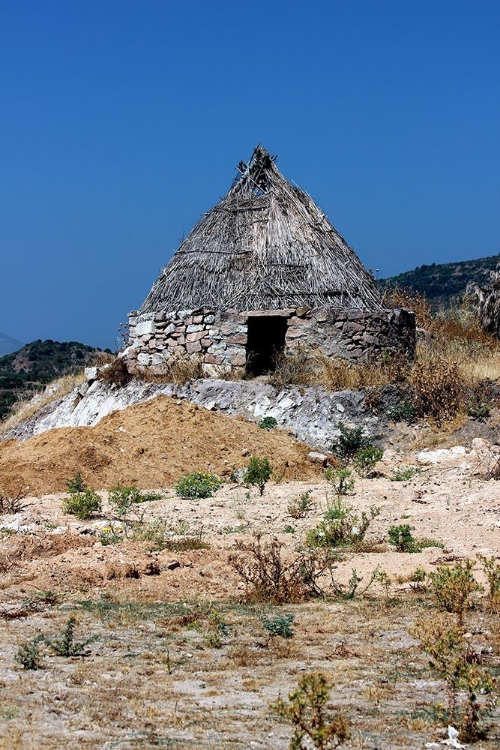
[(151, 445)]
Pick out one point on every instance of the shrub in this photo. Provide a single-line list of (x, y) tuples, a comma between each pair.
[(340, 479), (307, 710), (270, 577), (452, 658), (365, 459), (281, 625), (123, 498), (350, 442), (66, 645), (83, 505), (116, 373), (453, 587), (402, 538), (76, 484), (28, 655), (340, 532), (258, 472), (268, 423), (479, 411), (293, 368), (198, 485), (403, 473), (299, 506), (491, 570), (405, 411), (10, 504), (437, 389)]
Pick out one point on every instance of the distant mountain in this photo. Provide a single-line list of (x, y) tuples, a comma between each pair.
[(442, 282), (8, 344), (36, 364)]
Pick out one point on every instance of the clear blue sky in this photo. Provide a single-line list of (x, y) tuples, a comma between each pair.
[(121, 121)]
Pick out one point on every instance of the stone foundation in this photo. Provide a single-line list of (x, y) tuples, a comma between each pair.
[(219, 340)]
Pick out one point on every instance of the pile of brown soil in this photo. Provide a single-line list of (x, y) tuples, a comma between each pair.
[(151, 444)]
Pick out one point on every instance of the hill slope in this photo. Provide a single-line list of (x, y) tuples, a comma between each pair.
[(36, 364), (442, 282), (8, 344)]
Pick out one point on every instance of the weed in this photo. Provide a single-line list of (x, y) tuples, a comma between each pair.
[(365, 459), (403, 473), (289, 529), (76, 484), (293, 368), (279, 626), (308, 713), (270, 577), (28, 655), (350, 589), (342, 531), (337, 508), (340, 479), (116, 373), (299, 506), (405, 411), (258, 472), (10, 504), (350, 442), (81, 504), (66, 645), (479, 411), (453, 587), (113, 534), (453, 659), (402, 538), (491, 570), (215, 629), (437, 389), (268, 423), (198, 485), (122, 498)]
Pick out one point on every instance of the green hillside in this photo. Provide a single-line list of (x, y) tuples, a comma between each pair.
[(36, 364), (442, 282)]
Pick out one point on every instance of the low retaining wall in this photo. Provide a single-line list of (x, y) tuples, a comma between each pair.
[(219, 339)]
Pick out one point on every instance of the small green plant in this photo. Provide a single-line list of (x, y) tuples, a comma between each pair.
[(403, 473), (122, 498), (112, 534), (66, 645), (83, 505), (289, 529), (76, 484), (365, 459), (340, 479), (215, 629), (344, 531), (452, 658), (491, 570), (299, 506), (308, 713), (258, 472), (28, 655), (268, 423), (479, 411), (198, 485), (279, 626), (405, 411), (350, 589), (337, 508), (402, 538), (350, 442), (453, 587)]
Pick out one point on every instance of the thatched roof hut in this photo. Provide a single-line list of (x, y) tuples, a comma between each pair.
[(262, 273), (265, 246)]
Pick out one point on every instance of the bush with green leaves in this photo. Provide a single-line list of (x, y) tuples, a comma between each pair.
[(76, 484), (402, 538), (299, 506), (340, 479), (343, 531), (405, 411), (268, 423), (453, 587), (479, 411), (403, 473), (350, 441), (279, 626), (123, 498), (312, 721), (28, 655), (83, 505), (365, 459), (198, 485), (65, 644), (258, 472)]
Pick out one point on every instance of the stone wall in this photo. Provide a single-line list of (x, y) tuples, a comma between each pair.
[(219, 339)]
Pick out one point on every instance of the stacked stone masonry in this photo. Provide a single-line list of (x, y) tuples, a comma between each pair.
[(219, 339)]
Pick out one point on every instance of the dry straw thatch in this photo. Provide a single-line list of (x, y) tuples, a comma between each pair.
[(265, 246)]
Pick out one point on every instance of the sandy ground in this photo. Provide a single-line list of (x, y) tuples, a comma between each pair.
[(161, 671)]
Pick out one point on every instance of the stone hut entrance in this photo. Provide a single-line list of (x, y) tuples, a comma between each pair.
[(266, 339)]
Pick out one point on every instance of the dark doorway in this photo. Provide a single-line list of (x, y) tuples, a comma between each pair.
[(266, 339)]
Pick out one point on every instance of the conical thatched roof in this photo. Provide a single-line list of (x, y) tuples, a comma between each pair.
[(265, 246)]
